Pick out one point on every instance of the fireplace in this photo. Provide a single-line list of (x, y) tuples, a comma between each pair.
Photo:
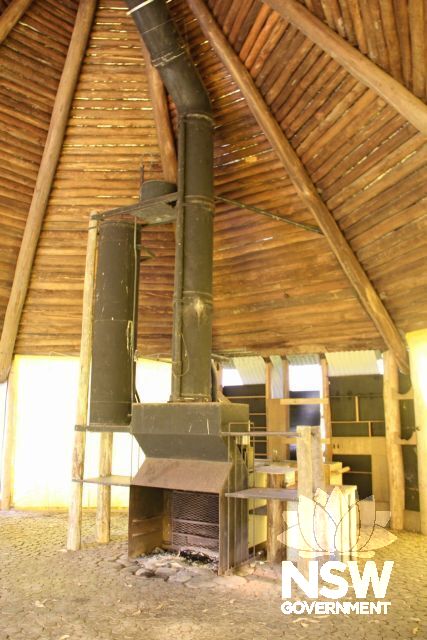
[(178, 496)]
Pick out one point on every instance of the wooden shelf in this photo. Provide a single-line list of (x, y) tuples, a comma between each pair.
[(265, 493), (298, 401), (103, 428), (112, 481), (275, 469)]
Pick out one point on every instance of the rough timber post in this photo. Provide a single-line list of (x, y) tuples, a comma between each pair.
[(75, 508), (396, 476), (9, 442), (417, 341)]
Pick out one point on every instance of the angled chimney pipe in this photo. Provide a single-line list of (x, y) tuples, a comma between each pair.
[(192, 317)]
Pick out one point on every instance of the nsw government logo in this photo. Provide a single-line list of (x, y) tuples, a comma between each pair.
[(338, 534)]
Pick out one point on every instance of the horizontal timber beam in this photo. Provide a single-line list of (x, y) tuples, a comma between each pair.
[(44, 182), (367, 72), (303, 185), (11, 15)]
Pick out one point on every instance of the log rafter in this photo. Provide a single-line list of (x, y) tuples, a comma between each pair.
[(359, 66), (11, 15), (303, 184), (162, 119), (44, 182)]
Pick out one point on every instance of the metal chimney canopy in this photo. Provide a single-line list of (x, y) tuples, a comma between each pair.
[(189, 431)]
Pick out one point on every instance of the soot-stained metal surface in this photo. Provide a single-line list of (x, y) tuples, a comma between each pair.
[(114, 324)]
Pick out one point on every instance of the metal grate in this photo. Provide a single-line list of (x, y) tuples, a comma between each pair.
[(195, 520)]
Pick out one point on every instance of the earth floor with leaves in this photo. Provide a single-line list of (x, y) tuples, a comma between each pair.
[(48, 593)]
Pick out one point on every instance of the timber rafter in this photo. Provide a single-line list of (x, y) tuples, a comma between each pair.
[(11, 15)]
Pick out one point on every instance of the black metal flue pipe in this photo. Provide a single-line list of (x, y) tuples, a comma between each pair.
[(192, 330), (114, 324)]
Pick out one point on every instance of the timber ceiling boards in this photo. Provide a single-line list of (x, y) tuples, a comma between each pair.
[(278, 289)]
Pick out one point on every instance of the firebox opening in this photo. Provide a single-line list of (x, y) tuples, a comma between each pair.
[(195, 522)]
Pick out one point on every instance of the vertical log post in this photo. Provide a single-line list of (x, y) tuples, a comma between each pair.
[(219, 374), (310, 478), (284, 452), (277, 416), (305, 484), (275, 547), (75, 508), (396, 475), (268, 379), (44, 182), (7, 468), (275, 524), (326, 409), (103, 504), (417, 341)]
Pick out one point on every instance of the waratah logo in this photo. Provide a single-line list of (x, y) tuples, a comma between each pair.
[(327, 524)]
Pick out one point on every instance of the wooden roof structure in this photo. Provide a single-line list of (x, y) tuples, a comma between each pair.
[(320, 119)]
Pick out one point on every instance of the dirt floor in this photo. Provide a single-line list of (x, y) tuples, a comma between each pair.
[(97, 594)]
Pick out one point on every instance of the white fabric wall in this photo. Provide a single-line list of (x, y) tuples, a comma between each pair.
[(45, 409)]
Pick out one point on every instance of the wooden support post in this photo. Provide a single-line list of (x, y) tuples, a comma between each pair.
[(417, 341), (392, 91), (162, 119), (278, 420), (11, 15), (396, 475), (305, 486), (310, 478), (75, 509), (285, 382), (103, 505), (7, 468), (268, 379), (326, 409), (218, 372), (303, 184), (286, 408), (44, 182), (275, 523)]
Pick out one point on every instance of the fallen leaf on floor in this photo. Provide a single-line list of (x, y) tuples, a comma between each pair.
[(39, 603), (301, 620), (415, 631)]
